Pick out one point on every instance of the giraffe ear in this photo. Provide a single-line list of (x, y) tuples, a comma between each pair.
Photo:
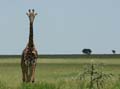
[(36, 14), (27, 14)]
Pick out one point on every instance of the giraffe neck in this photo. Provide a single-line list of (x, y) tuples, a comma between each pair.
[(31, 43)]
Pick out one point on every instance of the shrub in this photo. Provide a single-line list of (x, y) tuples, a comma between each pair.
[(93, 77)]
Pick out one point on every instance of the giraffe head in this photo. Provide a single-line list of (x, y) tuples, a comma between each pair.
[(31, 14)]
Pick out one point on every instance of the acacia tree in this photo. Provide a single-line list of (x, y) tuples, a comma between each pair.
[(113, 51), (87, 51)]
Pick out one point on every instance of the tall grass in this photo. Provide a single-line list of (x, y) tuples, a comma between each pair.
[(60, 84), (55, 74), (3, 85), (42, 85)]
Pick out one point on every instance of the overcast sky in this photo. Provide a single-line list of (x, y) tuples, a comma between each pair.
[(61, 26)]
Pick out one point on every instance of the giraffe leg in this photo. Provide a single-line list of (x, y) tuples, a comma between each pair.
[(27, 74), (23, 75), (33, 71), (23, 72), (33, 74), (30, 75)]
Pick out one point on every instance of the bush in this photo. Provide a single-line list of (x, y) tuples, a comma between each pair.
[(93, 77)]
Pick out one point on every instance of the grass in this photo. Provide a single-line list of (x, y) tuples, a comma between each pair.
[(51, 73)]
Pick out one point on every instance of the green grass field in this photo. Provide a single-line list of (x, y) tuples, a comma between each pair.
[(51, 71)]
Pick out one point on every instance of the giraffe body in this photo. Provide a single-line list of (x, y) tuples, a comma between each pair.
[(29, 55)]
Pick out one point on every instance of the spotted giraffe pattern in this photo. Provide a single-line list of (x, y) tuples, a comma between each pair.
[(28, 64)]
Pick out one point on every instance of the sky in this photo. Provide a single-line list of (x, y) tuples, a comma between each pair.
[(61, 26)]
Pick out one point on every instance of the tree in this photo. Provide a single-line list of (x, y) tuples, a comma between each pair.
[(87, 51), (113, 51)]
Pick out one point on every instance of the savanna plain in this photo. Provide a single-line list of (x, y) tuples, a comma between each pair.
[(58, 73)]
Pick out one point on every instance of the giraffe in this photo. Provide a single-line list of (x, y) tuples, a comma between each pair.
[(29, 54)]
